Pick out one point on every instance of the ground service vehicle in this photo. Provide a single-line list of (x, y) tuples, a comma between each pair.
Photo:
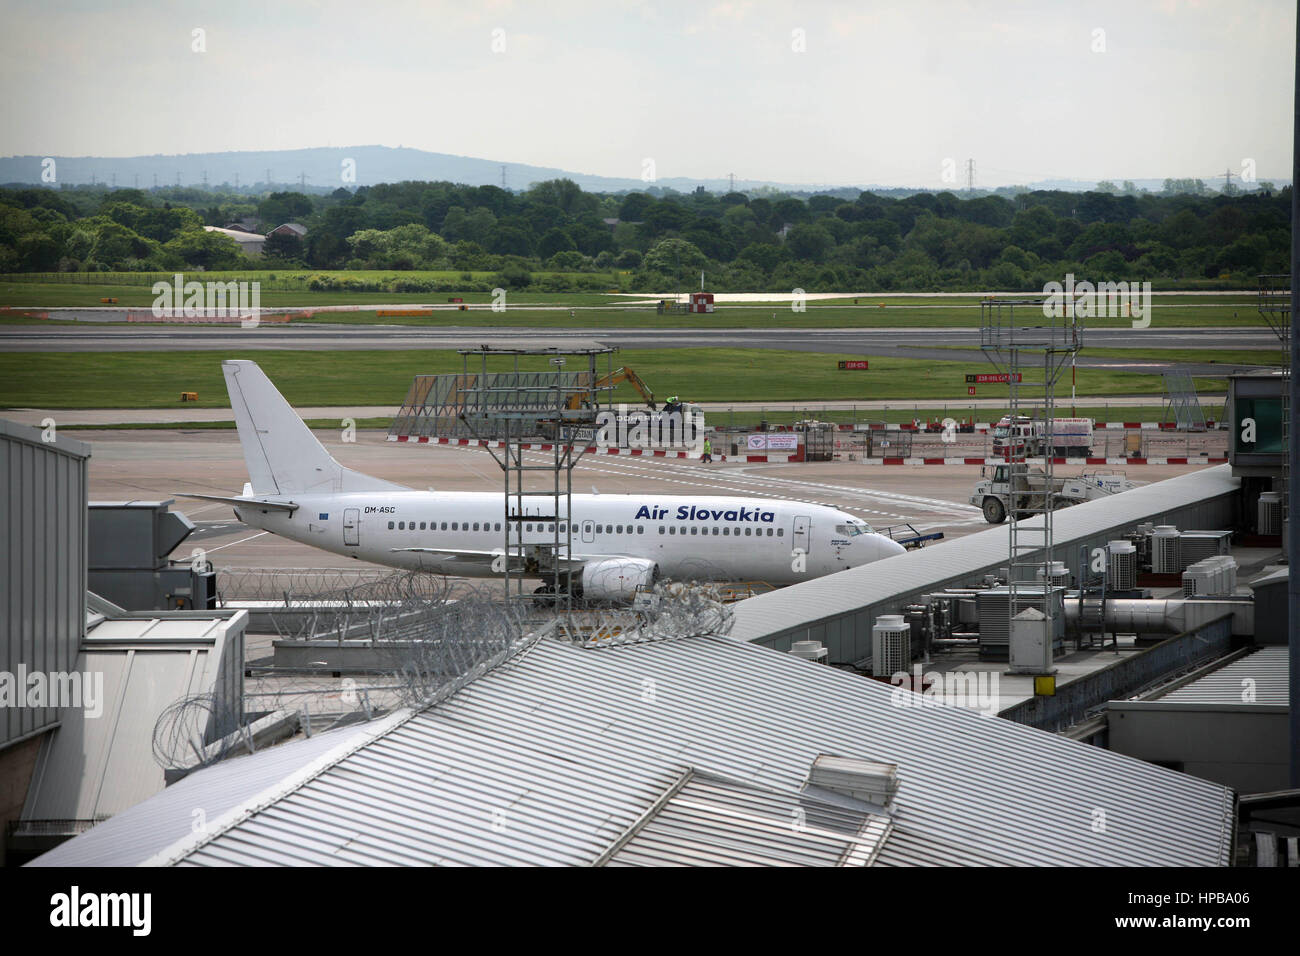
[(995, 495), (1027, 438)]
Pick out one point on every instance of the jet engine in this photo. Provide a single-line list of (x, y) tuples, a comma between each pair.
[(616, 579)]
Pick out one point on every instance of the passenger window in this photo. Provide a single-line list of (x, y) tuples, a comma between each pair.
[(390, 526), (401, 526), (694, 530), (672, 529), (455, 526), (769, 532), (444, 526), (620, 529), (475, 525), (497, 526), (780, 532), (661, 528), (640, 529), (600, 529), (564, 527), (529, 526), (726, 531), (747, 532)]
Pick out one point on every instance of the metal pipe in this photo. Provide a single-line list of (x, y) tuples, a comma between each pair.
[(1156, 615), (1293, 453)]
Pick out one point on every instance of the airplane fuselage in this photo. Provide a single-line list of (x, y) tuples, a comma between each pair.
[(723, 538)]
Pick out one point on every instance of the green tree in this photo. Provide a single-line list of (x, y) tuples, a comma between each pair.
[(555, 241), (283, 246), (200, 248), (279, 208), (671, 255), (809, 241), (634, 207)]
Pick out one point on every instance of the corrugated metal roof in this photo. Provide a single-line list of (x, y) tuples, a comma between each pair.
[(1258, 678), (709, 821), (32, 435), (99, 765), (243, 238), (196, 801), (556, 754), (925, 568)]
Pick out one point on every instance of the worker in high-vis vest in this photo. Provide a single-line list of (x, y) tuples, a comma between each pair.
[(708, 451)]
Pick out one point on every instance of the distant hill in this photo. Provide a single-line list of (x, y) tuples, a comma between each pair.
[(321, 169)]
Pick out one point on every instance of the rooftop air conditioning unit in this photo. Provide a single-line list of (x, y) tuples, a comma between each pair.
[(1057, 574), (1270, 513), (1166, 550), (1121, 565), (1197, 545), (1198, 580), (891, 645)]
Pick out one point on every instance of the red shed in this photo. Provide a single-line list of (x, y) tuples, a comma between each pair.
[(701, 302)]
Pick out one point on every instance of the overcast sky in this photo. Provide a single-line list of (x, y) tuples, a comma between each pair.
[(805, 92)]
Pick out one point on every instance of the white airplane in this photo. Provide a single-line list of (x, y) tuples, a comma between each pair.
[(616, 543)]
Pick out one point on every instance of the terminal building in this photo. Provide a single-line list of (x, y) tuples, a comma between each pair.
[(83, 681)]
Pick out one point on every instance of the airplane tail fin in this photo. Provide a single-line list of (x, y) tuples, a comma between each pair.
[(282, 454)]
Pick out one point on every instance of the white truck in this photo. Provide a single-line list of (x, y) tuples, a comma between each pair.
[(1026, 437), (993, 492)]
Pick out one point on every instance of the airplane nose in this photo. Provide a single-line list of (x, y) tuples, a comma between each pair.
[(891, 547)]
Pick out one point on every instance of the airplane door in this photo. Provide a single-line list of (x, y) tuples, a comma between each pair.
[(589, 531), (802, 532), (351, 526)]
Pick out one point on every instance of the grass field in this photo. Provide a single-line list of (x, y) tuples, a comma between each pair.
[(155, 380)]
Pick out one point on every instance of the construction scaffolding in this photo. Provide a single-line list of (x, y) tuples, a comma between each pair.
[(509, 408), (1182, 402), (1031, 341), (436, 405), (1274, 304)]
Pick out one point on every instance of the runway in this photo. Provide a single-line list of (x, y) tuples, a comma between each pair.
[(890, 342)]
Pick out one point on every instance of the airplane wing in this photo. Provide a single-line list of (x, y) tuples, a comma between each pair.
[(604, 576), (466, 556), (261, 505)]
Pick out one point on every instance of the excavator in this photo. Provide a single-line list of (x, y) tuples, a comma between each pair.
[(616, 377)]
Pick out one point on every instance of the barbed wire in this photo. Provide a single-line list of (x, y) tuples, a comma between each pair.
[(274, 584), (427, 633), (195, 731)]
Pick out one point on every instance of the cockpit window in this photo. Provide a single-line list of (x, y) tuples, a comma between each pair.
[(853, 528)]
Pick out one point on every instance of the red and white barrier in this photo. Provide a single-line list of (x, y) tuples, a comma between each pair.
[(1055, 461), (983, 427), (776, 458)]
